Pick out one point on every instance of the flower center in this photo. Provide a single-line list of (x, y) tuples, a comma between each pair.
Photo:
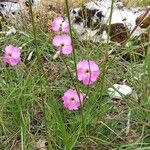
[(10, 55), (62, 23), (62, 45), (72, 99), (87, 71)]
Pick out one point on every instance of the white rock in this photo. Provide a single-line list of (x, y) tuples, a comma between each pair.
[(118, 91), (120, 14), (105, 36), (90, 35), (10, 7), (79, 28)]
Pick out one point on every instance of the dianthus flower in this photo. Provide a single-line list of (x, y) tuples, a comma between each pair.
[(11, 55), (59, 24), (63, 42), (72, 100), (87, 72)]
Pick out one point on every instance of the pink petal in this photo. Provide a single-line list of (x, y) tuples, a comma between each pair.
[(95, 75), (69, 92), (57, 40), (71, 105), (65, 27), (68, 103), (12, 55), (87, 81), (56, 23), (8, 49), (55, 26), (67, 49), (6, 60), (81, 74), (88, 78), (81, 97), (83, 64), (14, 62), (11, 61), (93, 66), (66, 39), (15, 52), (59, 20)]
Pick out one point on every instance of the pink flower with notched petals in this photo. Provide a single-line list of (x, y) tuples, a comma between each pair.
[(12, 55), (72, 100), (59, 24), (87, 72), (63, 42)]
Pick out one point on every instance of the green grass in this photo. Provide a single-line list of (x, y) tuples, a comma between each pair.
[(31, 109)]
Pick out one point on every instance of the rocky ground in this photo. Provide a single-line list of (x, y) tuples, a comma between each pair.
[(91, 20)]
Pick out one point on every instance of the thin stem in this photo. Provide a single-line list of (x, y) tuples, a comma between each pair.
[(110, 18), (69, 20), (74, 85), (75, 64), (88, 86), (33, 25), (104, 71), (39, 64)]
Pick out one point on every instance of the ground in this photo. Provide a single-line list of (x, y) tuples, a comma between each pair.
[(32, 115)]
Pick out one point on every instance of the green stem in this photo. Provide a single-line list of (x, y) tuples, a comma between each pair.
[(39, 65), (75, 64), (104, 71), (69, 20), (33, 24), (74, 85)]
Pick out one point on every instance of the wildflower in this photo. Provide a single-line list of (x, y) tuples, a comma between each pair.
[(12, 55), (72, 100), (87, 72), (59, 24), (63, 42)]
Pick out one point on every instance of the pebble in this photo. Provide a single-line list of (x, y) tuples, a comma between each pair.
[(118, 91)]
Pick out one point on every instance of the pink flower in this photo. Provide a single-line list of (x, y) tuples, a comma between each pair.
[(71, 99), (87, 71), (59, 24), (12, 55), (63, 42)]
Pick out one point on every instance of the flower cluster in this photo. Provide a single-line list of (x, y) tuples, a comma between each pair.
[(72, 99), (87, 70), (12, 55), (59, 24), (62, 41)]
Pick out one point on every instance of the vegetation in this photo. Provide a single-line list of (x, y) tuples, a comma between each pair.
[(31, 108)]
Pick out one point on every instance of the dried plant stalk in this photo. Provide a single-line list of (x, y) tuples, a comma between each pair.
[(135, 3), (61, 3)]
